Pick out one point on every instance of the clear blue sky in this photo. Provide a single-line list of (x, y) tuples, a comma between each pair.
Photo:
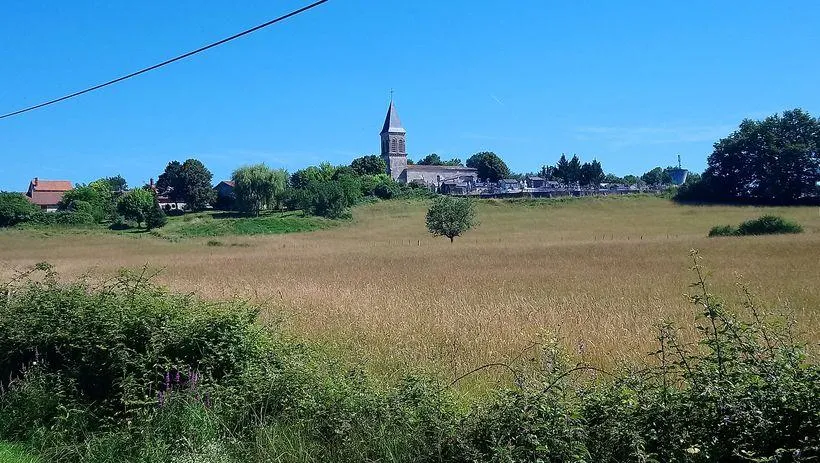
[(629, 83)]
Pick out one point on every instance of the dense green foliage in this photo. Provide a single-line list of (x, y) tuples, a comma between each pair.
[(570, 172), (129, 372), (155, 217), (99, 199), (766, 225), (490, 167), (326, 199), (258, 187), (450, 217), (136, 205), (435, 160), (188, 182), (592, 173), (15, 208), (117, 184), (657, 176), (773, 161), (369, 165)]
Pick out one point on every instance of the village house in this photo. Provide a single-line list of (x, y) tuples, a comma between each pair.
[(164, 198), (225, 195), (47, 193), (534, 182), (509, 184), (458, 185)]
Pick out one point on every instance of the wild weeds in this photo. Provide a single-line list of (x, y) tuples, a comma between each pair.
[(127, 371)]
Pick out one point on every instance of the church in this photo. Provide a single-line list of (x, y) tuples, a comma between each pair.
[(394, 153)]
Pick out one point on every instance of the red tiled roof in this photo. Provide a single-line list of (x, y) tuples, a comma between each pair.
[(52, 185), (46, 198), (230, 183), (47, 192)]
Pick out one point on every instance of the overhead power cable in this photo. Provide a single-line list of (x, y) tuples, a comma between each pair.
[(167, 62)]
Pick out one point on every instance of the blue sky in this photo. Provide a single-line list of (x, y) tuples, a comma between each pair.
[(632, 84)]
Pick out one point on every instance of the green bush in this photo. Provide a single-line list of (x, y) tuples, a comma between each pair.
[(325, 199), (63, 218), (15, 208), (723, 230), (766, 225)]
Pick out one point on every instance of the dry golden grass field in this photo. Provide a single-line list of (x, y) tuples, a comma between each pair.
[(598, 273)]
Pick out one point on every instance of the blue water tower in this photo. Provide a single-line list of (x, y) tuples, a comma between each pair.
[(678, 174)]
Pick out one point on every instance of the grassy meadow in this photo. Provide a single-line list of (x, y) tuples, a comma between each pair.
[(597, 273)]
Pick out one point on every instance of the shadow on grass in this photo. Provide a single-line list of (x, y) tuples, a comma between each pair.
[(241, 215)]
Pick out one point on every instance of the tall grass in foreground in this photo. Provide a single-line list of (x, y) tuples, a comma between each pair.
[(127, 371), (599, 271)]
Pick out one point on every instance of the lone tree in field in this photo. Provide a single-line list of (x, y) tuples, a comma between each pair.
[(450, 217)]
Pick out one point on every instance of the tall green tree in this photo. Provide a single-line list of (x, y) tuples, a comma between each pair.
[(324, 172), (562, 169), (258, 187), (591, 173), (574, 170), (657, 176), (196, 180), (490, 167), (188, 182), (435, 160), (631, 179), (170, 182), (136, 205), (432, 159), (548, 172), (116, 183), (449, 216), (776, 160), (155, 217), (369, 165)]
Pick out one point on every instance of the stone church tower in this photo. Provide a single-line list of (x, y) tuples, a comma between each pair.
[(394, 151)]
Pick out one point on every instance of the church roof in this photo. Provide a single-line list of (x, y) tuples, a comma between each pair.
[(423, 167), (392, 124)]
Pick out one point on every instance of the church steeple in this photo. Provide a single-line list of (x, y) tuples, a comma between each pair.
[(392, 124), (394, 151)]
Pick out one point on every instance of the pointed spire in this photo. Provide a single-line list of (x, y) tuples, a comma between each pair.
[(392, 124)]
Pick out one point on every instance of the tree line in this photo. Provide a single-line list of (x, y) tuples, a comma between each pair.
[(771, 161)]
